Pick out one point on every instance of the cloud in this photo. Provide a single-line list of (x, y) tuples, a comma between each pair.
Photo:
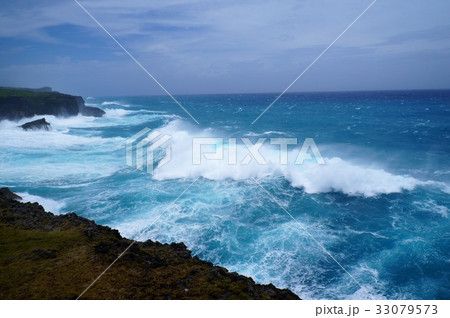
[(438, 33), (255, 44)]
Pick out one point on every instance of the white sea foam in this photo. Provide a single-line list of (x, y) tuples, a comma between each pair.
[(49, 155), (71, 121), (432, 207), (56, 123), (118, 103), (116, 112), (48, 204), (266, 133), (336, 175), (58, 137)]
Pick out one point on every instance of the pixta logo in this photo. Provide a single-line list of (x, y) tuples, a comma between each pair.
[(147, 150), (209, 148)]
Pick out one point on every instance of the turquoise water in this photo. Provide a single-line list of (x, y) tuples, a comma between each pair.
[(380, 205)]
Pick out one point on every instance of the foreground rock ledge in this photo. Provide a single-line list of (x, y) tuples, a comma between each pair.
[(44, 256)]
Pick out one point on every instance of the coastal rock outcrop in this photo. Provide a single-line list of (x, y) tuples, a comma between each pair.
[(91, 111), (39, 124), (17, 103), (46, 256), (88, 110), (6, 194)]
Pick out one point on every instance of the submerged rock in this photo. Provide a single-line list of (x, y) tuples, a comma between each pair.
[(40, 124)]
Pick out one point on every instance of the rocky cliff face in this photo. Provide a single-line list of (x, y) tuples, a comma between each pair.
[(18, 103), (43, 256)]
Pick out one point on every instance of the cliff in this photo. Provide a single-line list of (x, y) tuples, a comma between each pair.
[(16, 103), (44, 256)]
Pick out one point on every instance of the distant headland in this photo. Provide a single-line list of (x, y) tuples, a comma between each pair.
[(17, 103)]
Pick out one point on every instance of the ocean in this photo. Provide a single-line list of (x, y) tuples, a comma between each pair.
[(379, 206)]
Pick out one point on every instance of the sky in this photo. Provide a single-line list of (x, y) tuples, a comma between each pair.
[(224, 46)]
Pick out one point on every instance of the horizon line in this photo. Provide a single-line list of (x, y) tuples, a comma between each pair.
[(274, 92), (237, 93)]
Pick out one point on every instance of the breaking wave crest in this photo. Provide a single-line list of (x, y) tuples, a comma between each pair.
[(337, 174)]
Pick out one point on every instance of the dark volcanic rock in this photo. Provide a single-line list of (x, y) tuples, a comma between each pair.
[(17, 103), (92, 111), (46, 256), (36, 125), (88, 110), (6, 194)]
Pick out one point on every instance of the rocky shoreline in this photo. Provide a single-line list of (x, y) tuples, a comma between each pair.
[(17, 103), (46, 256)]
